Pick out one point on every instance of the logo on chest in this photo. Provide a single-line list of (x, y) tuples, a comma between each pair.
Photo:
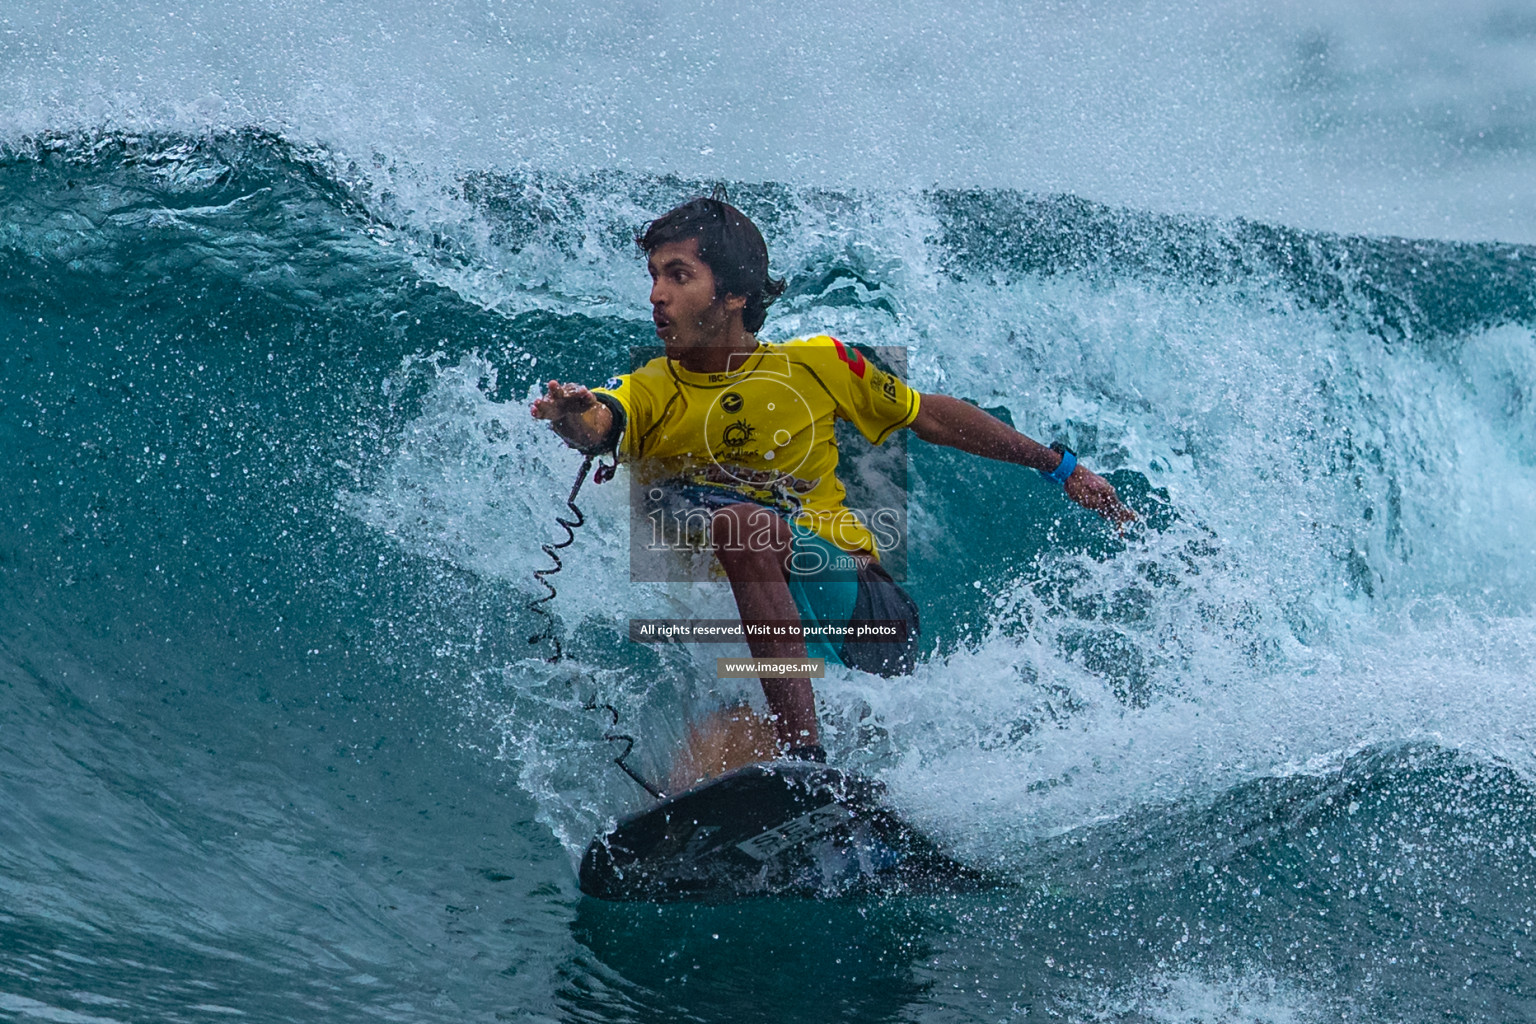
[(764, 422), (739, 433)]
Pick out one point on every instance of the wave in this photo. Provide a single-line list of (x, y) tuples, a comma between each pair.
[(274, 502)]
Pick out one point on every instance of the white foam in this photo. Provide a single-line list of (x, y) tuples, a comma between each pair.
[(1250, 996), (1402, 120)]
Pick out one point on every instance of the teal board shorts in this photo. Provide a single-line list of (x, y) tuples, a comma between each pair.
[(830, 588), (824, 581)]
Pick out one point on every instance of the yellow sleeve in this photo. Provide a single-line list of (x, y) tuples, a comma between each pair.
[(638, 396), (876, 402)]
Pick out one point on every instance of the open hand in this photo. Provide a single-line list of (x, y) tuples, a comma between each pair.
[(1093, 492), (561, 401)]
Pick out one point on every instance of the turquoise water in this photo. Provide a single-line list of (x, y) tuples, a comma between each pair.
[(275, 745)]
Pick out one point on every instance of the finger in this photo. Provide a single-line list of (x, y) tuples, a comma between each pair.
[(1108, 504)]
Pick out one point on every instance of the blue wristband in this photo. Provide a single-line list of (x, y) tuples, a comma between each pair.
[(1064, 470)]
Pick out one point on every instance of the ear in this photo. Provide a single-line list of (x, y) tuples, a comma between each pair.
[(735, 303)]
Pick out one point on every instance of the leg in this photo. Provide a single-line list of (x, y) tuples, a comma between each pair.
[(753, 544)]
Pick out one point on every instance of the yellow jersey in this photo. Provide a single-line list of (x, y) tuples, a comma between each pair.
[(764, 428)]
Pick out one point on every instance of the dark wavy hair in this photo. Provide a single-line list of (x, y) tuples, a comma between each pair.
[(730, 246)]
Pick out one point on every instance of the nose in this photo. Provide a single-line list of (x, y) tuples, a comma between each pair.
[(658, 293)]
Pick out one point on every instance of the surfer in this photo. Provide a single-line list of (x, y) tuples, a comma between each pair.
[(741, 430)]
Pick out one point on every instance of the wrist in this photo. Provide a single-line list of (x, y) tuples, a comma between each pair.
[(1065, 466), (575, 433), (598, 427)]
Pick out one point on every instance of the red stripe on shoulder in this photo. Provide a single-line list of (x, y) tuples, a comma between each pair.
[(854, 358)]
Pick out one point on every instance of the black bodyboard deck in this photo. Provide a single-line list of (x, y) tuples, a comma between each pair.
[(783, 828)]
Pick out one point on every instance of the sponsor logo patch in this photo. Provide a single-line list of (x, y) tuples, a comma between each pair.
[(883, 383)]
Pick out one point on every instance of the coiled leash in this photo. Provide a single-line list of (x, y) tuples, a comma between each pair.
[(569, 526), (604, 473)]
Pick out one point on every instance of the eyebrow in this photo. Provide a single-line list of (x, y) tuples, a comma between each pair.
[(675, 261)]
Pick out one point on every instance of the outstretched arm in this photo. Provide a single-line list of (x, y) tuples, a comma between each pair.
[(949, 421), (575, 414)]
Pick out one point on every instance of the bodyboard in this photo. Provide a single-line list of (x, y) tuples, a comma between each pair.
[(781, 828)]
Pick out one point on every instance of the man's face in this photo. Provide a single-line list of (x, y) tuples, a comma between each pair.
[(687, 313)]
